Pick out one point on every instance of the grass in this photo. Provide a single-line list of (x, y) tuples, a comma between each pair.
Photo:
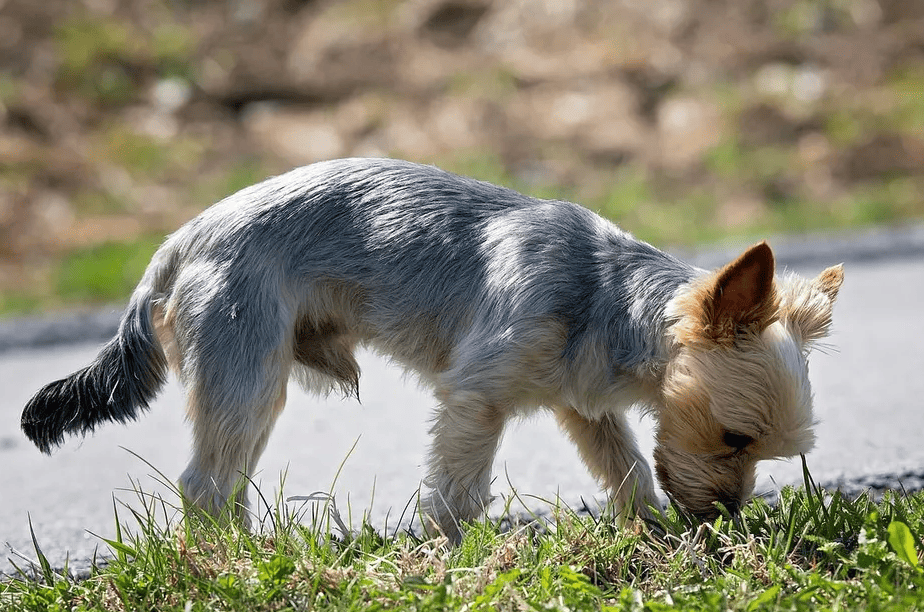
[(101, 273), (105, 272), (812, 550), (148, 158), (99, 56)]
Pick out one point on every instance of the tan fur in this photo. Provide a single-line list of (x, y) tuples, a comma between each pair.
[(328, 349), (163, 326), (807, 303), (738, 368), (741, 295), (608, 449)]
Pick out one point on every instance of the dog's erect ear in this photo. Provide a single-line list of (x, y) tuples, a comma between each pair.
[(830, 281), (808, 304), (739, 298), (743, 295)]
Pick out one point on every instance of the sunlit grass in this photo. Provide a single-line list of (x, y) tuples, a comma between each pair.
[(812, 549), (103, 273)]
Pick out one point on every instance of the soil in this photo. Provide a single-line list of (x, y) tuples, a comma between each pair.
[(122, 118)]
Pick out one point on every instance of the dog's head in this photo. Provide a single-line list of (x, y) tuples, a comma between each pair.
[(736, 388)]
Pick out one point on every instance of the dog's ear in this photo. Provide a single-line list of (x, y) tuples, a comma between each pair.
[(830, 281), (742, 295), (808, 304)]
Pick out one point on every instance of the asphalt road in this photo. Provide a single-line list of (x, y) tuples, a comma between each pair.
[(869, 391)]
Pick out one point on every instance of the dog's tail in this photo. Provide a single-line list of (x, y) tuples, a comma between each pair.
[(124, 378)]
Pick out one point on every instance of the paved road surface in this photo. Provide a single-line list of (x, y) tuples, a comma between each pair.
[(868, 390)]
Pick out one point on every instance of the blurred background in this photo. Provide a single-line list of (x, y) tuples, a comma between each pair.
[(685, 121)]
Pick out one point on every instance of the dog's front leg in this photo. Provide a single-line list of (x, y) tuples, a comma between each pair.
[(608, 448), (466, 432)]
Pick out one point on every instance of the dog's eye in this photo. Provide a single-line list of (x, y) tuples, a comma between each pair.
[(736, 440)]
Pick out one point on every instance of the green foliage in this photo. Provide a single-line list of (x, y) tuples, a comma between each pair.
[(95, 57), (844, 127), (19, 303), (104, 58), (106, 272), (903, 543), (806, 17), (148, 158), (233, 178), (9, 89), (907, 85), (171, 47), (492, 83)]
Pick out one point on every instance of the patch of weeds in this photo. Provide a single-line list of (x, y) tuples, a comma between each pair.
[(907, 85), (903, 90), (869, 207), (637, 204), (93, 202), (844, 127), (16, 176), (367, 12), (148, 158), (812, 549), (103, 273), (105, 58), (96, 56), (230, 179), (10, 89), (488, 166), (729, 98), (875, 203), (754, 165), (494, 83), (630, 191), (725, 159), (481, 165), (885, 202), (19, 303), (138, 153), (868, 204), (172, 48), (805, 17)]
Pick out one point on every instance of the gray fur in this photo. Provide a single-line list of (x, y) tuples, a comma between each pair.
[(502, 302), (415, 239)]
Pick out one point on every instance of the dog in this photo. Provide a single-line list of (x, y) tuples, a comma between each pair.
[(502, 303)]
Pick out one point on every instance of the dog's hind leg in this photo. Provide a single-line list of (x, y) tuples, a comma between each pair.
[(236, 369), (608, 448), (253, 458), (227, 446), (466, 432)]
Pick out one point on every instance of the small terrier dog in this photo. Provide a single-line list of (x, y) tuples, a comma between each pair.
[(503, 303)]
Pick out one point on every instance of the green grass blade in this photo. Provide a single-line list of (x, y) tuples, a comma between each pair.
[(902, 542), (47, 573)]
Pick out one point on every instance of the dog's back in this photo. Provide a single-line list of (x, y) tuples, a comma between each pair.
[(394, 249), (500, 301)]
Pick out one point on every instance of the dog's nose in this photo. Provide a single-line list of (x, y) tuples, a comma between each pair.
[(732, 504)]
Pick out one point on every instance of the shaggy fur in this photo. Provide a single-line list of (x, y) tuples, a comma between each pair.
[(503, 303)]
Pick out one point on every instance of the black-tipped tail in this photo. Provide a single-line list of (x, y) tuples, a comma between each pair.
[(124, 378)]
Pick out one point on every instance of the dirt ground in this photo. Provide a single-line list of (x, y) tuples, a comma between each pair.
[(683, 120)]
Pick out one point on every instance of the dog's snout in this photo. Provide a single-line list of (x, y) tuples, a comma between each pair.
[(733, 505), (731, 500)]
